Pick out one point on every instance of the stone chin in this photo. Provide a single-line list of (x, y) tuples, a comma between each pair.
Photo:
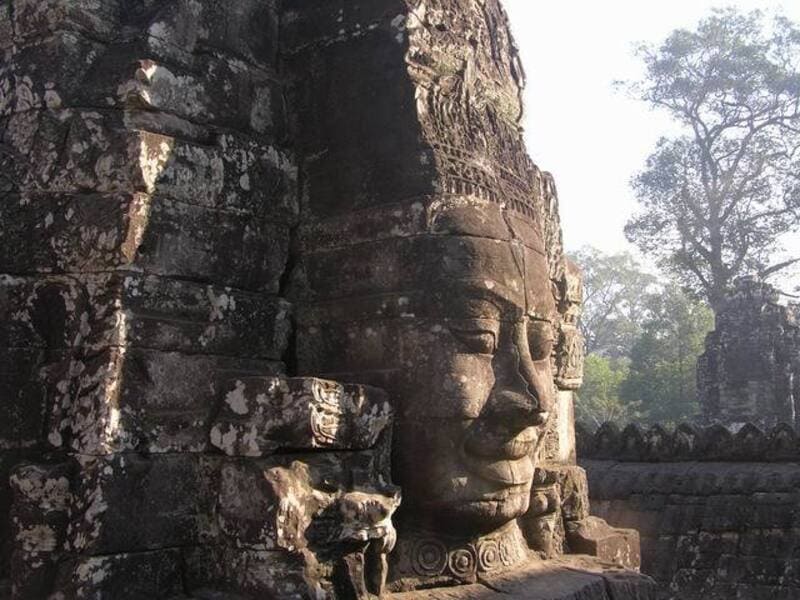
[(480, 515)]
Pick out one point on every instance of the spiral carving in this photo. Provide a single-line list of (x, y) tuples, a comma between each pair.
[(488, 555), (429, 558), (463, 563)]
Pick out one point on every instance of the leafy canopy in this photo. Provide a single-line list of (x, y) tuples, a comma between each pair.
[(615, 288), (716, 199)]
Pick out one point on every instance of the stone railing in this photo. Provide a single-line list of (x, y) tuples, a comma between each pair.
[(687, 442)]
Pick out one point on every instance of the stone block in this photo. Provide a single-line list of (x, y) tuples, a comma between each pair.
[(362, 158), (595, 537), (246, 29), (177, 29), (39, 518), (180, 31), (773, 543), (23, 410), (94, 312), (212, 90), (101, 151), (39, 19), (138, 399), (130, 576), (574, 492), (6, 26), (569, 578), (659, 557), (45, 74), (727, 512), (222, 572), (101, 232), (132, 503), (9, 461), (264, 414)]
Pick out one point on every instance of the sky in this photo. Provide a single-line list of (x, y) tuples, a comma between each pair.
[(590, 136)]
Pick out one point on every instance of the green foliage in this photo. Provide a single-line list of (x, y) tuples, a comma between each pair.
[(599, 399), (646, 336), (717, 198), (613, 307), (662, 371)]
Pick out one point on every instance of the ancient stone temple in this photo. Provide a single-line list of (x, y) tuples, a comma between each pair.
[(284, 310), (750, 370)]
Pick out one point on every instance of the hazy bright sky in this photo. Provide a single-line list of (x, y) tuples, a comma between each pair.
[(592, 138)]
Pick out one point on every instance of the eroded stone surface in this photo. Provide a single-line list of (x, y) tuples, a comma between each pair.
[(750, 369), (574, 578), (709, 530), (260, 415), (174, 177)]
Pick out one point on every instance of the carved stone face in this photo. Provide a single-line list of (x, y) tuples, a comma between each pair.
[(479, 382)]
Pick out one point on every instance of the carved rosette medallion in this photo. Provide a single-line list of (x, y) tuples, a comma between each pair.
[(429, 558), (489, 555), (424, 557), (463, 563)]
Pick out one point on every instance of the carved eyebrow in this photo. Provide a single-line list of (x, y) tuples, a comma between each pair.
[(489, 291), (539, 318)]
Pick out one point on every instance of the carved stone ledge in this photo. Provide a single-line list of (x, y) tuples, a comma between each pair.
[(688, 443), (261, 415), (564, 579)]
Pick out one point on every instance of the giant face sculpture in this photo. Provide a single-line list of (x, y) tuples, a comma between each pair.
[(477, 385), (422, 256), (456, 322)]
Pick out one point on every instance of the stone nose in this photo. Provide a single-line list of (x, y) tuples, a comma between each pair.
[(522, 395)]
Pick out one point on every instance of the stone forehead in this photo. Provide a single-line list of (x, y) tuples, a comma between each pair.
[(467, 216), (429, 275)]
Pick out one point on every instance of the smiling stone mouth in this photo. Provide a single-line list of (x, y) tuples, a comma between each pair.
[(508, 473), (496, 457), (501, 446)]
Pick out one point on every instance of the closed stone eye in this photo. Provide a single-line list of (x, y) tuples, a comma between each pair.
[(476, 341)]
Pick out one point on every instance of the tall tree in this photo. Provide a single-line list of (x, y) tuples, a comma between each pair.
[(615, 289), (716, 199), (661, 376)]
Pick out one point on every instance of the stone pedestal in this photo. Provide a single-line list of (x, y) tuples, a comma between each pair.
[(572, 578)]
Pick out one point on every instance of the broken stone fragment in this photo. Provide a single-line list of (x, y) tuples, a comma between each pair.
[(260, 415), (351, 529), (595, 537)]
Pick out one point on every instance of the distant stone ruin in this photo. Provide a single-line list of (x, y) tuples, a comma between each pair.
[(284, 311), (750, 370)]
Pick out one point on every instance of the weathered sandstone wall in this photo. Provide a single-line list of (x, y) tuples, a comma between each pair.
[(148, 193), (718, 514)]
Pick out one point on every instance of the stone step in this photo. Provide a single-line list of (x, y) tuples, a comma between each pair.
[(571, 578)]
